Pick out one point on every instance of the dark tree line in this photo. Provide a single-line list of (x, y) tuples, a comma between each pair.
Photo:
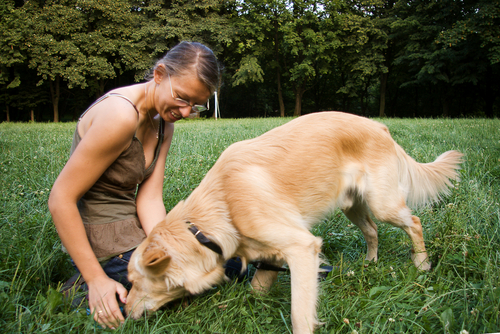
[(414, 58)]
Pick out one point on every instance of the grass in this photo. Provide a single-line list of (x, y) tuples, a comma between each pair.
[(461, 292)]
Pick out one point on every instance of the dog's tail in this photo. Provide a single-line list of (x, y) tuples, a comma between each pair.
[(424, 183)]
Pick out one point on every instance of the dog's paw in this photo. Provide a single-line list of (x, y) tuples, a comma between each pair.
[(421, 260)]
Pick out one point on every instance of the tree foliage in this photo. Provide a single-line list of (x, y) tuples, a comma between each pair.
[(281, 57)]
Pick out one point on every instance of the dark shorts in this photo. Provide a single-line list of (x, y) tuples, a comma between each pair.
[(116, 268)]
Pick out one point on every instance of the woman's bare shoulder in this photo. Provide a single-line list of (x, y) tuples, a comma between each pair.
[(111, 113)]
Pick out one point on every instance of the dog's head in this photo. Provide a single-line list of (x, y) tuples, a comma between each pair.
[(169, 264)]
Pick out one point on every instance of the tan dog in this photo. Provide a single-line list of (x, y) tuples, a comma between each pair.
[(263, 195)]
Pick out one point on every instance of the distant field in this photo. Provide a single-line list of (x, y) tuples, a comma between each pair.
[(462, 233)]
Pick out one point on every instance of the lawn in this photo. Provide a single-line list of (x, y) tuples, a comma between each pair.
[(460, 294)]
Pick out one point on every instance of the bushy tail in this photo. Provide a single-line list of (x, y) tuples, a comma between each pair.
[(424, 183)]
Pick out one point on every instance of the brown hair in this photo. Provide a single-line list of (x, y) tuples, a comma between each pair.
[(192, 56)]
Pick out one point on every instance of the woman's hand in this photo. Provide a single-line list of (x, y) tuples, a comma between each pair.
[(103, 303)]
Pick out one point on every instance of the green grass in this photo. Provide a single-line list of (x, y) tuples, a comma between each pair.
[(461, 292)]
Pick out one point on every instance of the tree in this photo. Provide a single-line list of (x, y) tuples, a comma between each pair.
[(50, 47), (259, 39), (306, 47), (204, 21), (11, 53), (400, 57), (85, 43), (104, 41), (477, 34), (439, 48), (361, 55)]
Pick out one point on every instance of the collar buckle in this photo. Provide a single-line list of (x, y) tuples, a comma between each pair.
[(202, 239)]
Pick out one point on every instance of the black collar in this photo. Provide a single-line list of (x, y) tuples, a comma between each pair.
[(203, 239)]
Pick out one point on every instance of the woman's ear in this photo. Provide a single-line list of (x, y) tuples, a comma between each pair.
[(159, 73)]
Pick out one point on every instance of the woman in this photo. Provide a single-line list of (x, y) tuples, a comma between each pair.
[(108, 196)]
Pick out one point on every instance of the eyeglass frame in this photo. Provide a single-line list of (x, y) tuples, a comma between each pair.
[(195, 108)]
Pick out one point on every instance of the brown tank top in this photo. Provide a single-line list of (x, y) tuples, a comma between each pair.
[(108, 209)]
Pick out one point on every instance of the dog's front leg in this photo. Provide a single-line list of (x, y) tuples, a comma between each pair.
[(302, 257)]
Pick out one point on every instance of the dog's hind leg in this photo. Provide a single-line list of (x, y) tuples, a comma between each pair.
[(419, 254), (401, 217), (359, 216)]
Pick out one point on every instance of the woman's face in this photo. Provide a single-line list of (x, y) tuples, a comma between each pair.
[(186, 87)]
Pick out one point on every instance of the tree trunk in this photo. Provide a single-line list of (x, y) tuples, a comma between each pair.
[(280, 96), (32, 114), (7, 110), (345, 97), (383, 87), (299, 91), (101, 87), (416, 103), (446, 106), (278, 73), (489, 94), (54, 92), (364, 101)]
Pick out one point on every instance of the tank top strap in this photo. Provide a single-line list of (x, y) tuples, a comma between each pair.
[(105, 96)]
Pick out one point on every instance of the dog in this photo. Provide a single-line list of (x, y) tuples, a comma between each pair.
[(263, 195)]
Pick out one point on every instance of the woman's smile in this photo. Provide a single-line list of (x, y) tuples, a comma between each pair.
[(174, 115)]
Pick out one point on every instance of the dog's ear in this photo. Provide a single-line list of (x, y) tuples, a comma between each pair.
[(155, 260)]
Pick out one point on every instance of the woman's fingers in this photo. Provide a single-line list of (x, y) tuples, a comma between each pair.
[(122, 293), (108, 316), (103, 303)]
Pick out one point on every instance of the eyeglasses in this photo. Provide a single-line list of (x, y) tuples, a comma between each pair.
[(196, 108)]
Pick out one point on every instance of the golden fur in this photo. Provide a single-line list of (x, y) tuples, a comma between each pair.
[(263, 195)]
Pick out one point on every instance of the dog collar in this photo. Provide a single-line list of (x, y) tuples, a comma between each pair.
[(202, 239)]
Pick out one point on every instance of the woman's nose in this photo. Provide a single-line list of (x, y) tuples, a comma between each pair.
[(185, 111)]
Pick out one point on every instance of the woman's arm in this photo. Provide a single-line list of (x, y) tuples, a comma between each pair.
[(149, 200), (110, 132)]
